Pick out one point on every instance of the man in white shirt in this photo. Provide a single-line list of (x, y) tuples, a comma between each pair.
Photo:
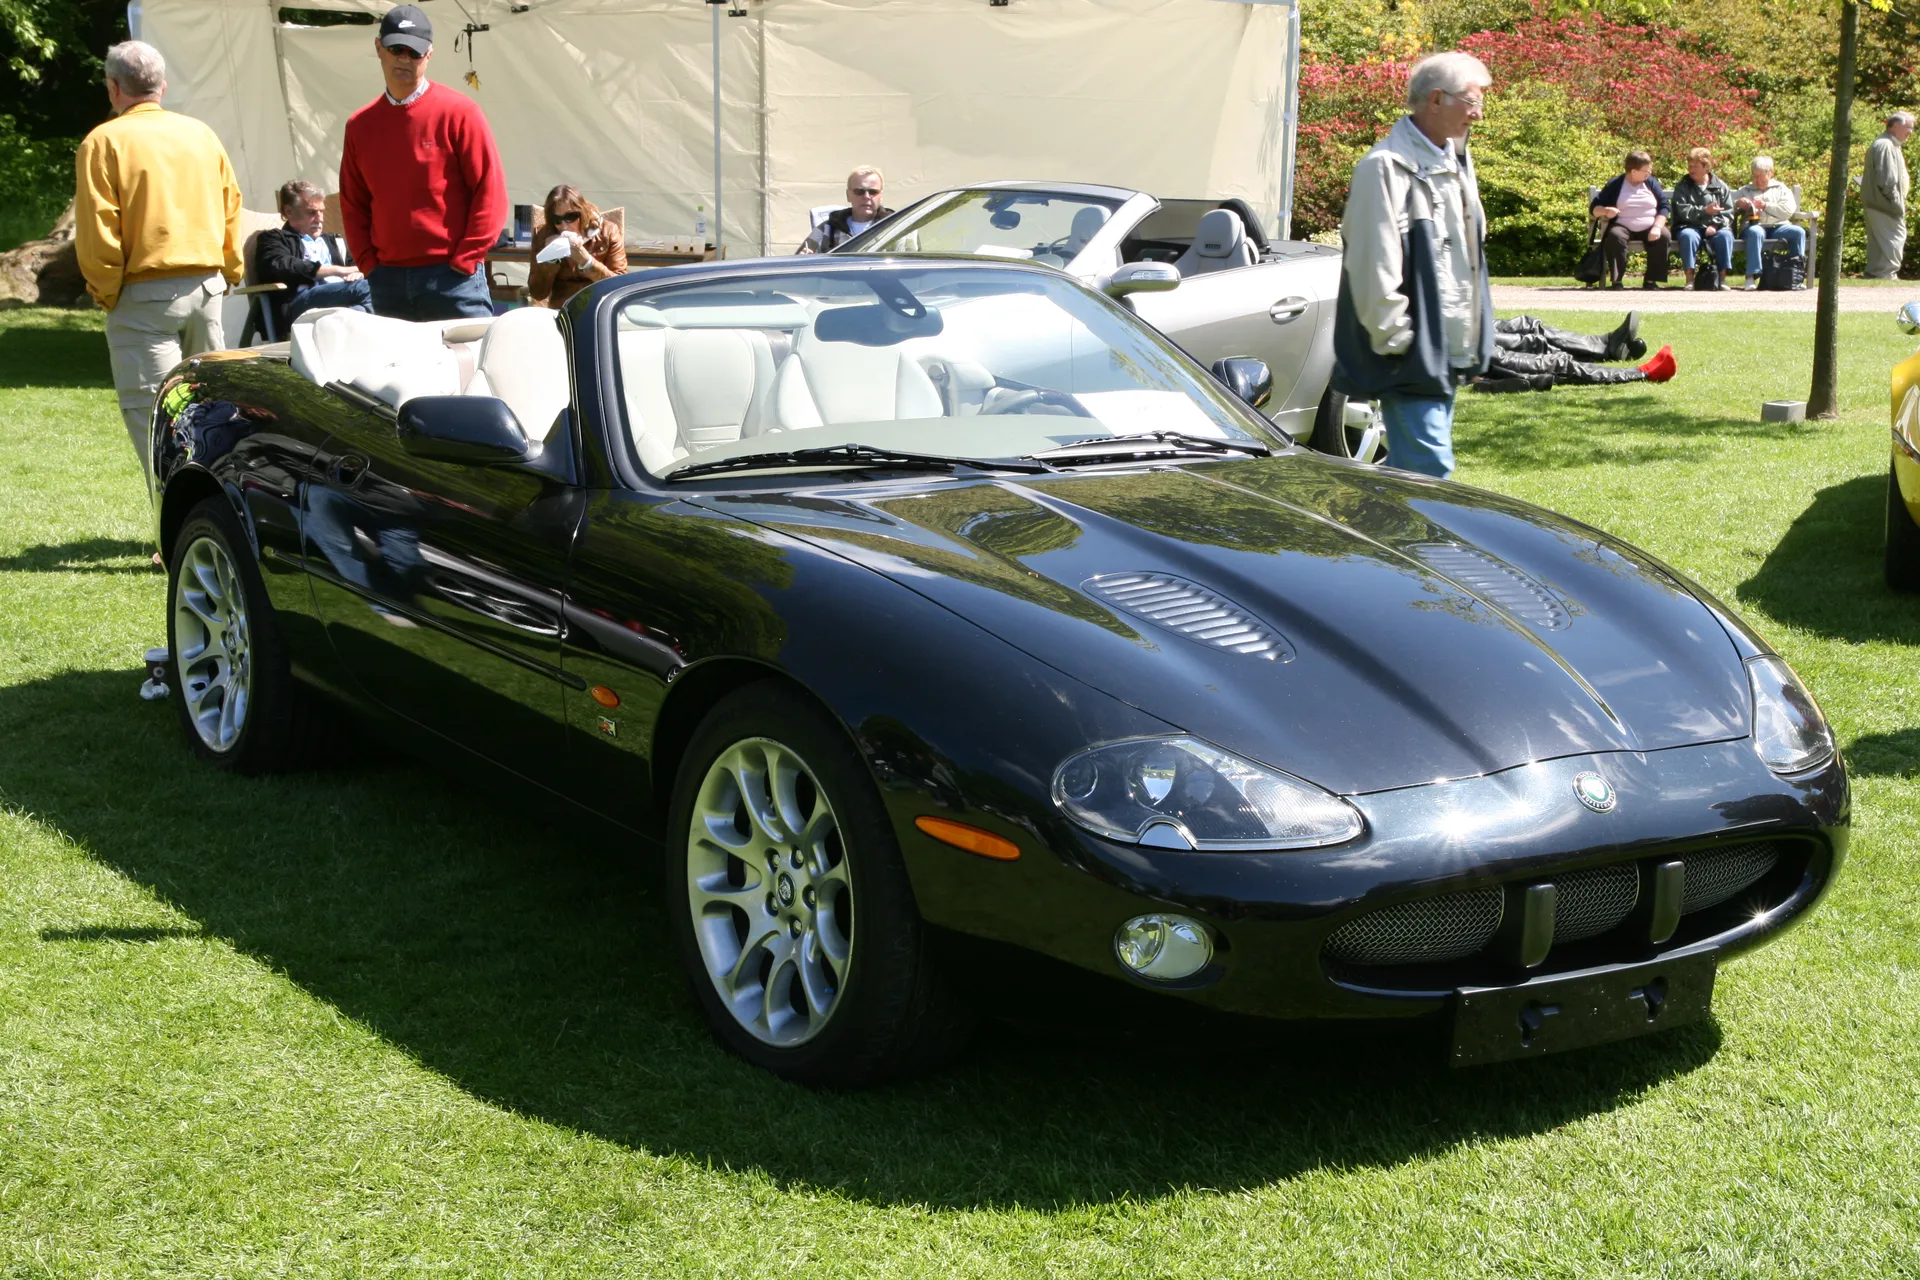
[(865, 188)]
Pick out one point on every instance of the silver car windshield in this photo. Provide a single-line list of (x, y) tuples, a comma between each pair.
[(957, 361), (1040, 226)]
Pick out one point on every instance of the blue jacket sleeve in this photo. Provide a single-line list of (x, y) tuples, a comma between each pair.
[(1609, 194), (1659, 194)]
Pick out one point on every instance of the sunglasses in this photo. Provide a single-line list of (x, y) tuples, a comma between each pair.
[(565, 217), (863, 191), (401, 51)]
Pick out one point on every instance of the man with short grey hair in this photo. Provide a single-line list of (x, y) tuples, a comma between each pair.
[(1414, 318), (1883, 197), (157, 230)]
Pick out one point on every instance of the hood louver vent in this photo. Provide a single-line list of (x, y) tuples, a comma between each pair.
[(1191, 610), (1499, 584)]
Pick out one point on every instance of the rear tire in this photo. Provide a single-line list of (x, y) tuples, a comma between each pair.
[(1902, 557), (1332, 435), (790, 903), (232, 686)]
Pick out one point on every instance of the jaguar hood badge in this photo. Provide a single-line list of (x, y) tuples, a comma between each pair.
[(1595, 792)]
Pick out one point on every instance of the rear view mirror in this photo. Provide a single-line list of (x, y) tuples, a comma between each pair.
[(1909, 318), (1142, 277), (474, 430), (1247, 378)]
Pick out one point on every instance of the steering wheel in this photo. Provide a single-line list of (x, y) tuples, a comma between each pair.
[(1003, 400)]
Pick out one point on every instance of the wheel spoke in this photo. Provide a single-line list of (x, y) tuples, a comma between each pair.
[(210, 639), (750, 898), (816, 980)]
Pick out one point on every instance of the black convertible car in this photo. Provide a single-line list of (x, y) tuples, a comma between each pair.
[(932, 609)]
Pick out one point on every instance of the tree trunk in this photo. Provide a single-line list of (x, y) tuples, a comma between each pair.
[(44, 273), (1824, 400)]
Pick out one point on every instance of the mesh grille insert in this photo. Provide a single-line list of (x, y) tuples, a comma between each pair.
[(1449, 927), (1593, 901), (1190, 610), (1499, 584), (1715, 876)]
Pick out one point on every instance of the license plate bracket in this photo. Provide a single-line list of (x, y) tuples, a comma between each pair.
[(1548, 1015)]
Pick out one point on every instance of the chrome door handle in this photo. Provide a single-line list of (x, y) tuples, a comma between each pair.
[(1287, 309)]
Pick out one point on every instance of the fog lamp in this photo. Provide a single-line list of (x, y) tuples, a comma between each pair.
[(1165, 948)]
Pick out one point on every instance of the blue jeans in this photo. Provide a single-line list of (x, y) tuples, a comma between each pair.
[(1757, 236), (433, 292), (1419, 433), (1720, 241), (331, 293)]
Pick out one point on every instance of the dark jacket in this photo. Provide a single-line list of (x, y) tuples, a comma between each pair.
[(277, 258), (1690, 201), (1609, 196), (837, 229)]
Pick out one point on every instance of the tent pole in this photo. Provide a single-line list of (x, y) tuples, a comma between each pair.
[(766, 169), (1292, 120), (719, 237)]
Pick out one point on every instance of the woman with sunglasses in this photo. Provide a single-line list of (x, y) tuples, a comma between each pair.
[(599, 249)]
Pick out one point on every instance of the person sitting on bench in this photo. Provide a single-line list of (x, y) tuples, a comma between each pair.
[(1635, 208), (1769, 207), (311, 263)]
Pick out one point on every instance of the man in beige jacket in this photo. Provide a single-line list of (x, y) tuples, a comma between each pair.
[(1883, 197), (157, 230)]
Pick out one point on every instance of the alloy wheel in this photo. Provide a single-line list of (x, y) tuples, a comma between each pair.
[(212, 643), (769, 890)]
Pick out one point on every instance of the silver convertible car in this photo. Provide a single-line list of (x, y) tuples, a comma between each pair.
[(1230, 291)]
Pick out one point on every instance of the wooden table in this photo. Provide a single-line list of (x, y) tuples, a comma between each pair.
[(639, 257)]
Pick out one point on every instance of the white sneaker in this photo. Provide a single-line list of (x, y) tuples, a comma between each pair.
[(1753, 282)]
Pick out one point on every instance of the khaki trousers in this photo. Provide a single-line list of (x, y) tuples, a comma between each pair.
[(153, 326), (1886, 243)]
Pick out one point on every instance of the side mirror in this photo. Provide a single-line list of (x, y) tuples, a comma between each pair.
[(475, 430), (1909, 318), (1142, 277), (1247, 378)]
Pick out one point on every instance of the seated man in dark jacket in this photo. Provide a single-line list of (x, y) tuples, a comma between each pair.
[(1703, 212), (312, 264)]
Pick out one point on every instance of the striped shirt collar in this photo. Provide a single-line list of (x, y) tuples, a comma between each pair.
[(411, 98)]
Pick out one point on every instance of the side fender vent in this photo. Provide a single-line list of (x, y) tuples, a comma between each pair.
[(1498, 583), (1189, 609)]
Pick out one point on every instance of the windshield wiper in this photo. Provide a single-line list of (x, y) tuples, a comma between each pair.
[(1179, 442), (856, 455)]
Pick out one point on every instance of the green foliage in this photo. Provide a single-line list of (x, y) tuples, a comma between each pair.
[(1536, 154), (36, 181)]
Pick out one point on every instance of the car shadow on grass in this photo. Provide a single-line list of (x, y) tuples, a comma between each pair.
[(1591, 425), (525, 958), (87, 555), (1825, 574), (54, 356)]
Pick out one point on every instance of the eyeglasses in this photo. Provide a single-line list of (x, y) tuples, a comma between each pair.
[(566, 217), (863, 191), (1472, 104)]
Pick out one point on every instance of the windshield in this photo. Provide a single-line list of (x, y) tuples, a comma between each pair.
[(958, 361), (1043, 226)]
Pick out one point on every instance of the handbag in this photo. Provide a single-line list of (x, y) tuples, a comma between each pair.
[(1707, 274), (1592, 268), (1783, 271)]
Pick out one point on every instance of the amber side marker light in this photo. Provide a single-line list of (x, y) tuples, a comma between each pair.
[(972, 839), (604, 696)]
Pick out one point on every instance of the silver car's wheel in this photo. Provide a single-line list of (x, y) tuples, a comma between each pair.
[(212, 634), (769, 890)]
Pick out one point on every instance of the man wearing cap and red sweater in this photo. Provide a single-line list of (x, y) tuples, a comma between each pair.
[(422, 194)]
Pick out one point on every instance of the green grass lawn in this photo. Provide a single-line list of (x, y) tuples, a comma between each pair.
[(369, 1021)]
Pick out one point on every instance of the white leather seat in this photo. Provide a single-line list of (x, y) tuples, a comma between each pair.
[(394, 360), (826, 383), (1220, 244), (523, 360), (689, 389), (1086, 225)]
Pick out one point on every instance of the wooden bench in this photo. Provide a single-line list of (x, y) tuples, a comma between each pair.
[(1808, 218)]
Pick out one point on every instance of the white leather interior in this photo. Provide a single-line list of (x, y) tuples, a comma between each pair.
[(1220, 244), (1086, 225), (825, 383), (523, 360), (687, 389), (340, 344)]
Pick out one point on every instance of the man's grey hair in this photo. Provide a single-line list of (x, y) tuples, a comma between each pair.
[(137, 68), (1445, 73), (1901, 117), (1763, 162)]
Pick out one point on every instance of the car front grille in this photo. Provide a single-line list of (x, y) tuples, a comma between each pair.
[(1588, 903)]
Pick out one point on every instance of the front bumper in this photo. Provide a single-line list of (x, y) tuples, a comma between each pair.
[(1272, 914)]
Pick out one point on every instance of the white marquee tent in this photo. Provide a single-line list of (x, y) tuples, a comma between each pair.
[(1178, 97)]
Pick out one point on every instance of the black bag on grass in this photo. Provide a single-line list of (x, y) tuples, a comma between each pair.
[(1707, 275), (1592, 268), (1783, 271)]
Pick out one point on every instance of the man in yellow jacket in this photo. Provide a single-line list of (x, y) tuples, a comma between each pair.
[(157, 228)]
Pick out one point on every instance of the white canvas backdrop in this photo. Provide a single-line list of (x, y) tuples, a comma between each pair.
[(1183, 98)]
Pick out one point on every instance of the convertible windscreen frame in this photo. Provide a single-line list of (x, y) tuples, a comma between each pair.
[(607, 301)]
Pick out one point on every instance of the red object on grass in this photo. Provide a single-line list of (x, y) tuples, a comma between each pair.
[(1661, 365)]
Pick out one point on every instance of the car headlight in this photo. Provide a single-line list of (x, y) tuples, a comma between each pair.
[(1788, 730), (1182, 793)]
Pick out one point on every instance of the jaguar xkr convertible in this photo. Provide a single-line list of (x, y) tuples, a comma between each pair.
[(922, 610)]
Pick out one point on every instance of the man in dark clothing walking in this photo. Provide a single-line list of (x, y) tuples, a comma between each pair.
[(422, 193)]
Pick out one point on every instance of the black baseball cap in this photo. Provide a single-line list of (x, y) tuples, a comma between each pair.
[(407, 26)]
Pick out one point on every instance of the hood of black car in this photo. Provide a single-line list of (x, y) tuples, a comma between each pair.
[(1359, 628)]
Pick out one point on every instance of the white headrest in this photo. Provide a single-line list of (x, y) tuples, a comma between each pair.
[(523, 360), (1220, 235), (1086, 225)]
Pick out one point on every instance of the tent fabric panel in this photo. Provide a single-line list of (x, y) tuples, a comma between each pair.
[(222, 69)]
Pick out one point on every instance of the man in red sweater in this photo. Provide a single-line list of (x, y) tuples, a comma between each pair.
[(421, 190)]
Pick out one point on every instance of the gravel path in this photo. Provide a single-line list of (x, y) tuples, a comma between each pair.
[(1511, 298)]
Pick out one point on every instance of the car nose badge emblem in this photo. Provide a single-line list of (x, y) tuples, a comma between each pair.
[(1595, 792)]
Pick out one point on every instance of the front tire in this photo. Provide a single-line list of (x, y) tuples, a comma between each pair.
[(790, 902), (233, 688), (1333, 434), (1902, 563)]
